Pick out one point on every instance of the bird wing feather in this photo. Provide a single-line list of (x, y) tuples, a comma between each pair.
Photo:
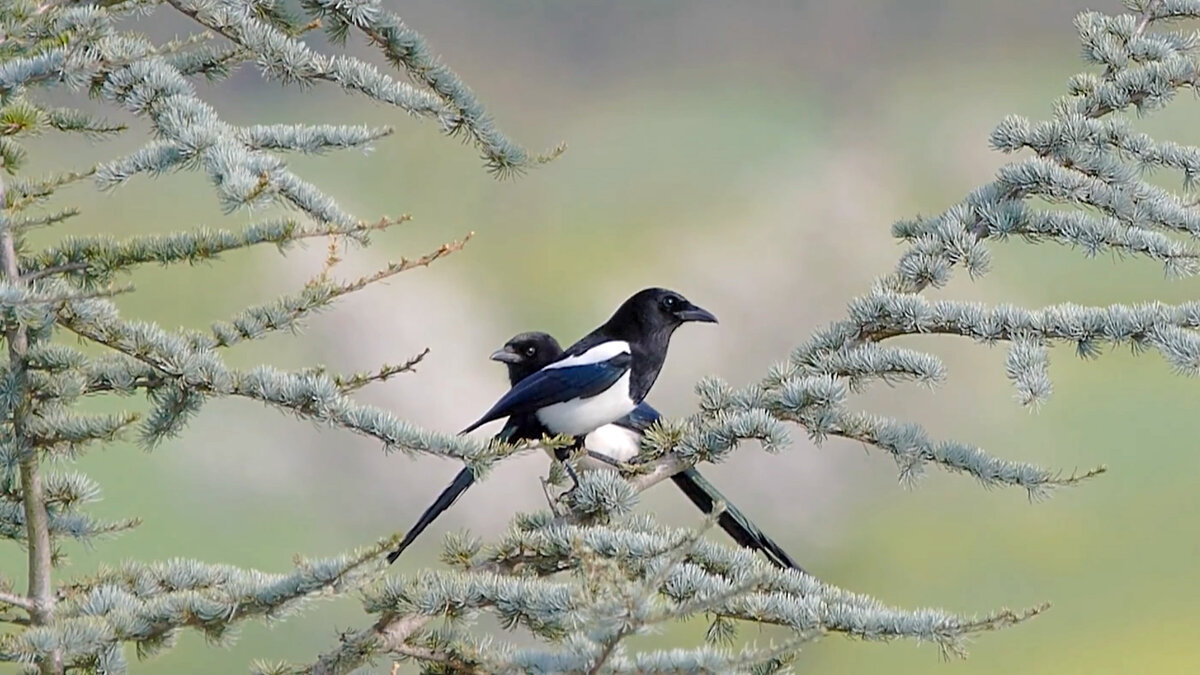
[(556, 385), (640, 419)]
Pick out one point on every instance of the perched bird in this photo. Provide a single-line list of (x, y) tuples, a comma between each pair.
[(524, 355), (605, 375), (527, 353)]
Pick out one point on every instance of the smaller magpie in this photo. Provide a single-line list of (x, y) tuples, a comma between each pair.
[(527, 353), (606, 374), (524, 354)]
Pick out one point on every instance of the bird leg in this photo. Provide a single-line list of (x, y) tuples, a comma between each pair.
[(564, 455)]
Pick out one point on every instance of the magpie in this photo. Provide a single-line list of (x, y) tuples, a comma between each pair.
[(527, 353), (524, 354), (606, 374)]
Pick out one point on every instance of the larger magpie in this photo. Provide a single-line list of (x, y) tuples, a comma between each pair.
[(606, 374), (527, 353)]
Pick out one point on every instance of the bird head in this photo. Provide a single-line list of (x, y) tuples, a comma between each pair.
[(655, 310), (527, 353)]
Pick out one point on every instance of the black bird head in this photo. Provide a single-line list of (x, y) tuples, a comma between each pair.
[(527, 353), (654, 312)]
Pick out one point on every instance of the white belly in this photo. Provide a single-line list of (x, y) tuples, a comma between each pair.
[(616, 443), (580, 416)]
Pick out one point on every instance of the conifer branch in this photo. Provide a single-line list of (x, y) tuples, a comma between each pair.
[(66, 492), (80, 527), (101, 258), (356, 381), (285, 313), (57, 269), (430, 655), (76, 121), (309, 138), (406, 48), (293, 61), (632, 618), (30, 222), (214, 63), (15, 600), (181, 376), (37, 521), (25, 193), (696, 574), (163, 598)]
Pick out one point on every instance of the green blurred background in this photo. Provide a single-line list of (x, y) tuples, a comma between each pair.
[(751, 155)]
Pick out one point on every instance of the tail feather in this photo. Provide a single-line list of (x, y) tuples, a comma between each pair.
[(732, 520), (453, 491)]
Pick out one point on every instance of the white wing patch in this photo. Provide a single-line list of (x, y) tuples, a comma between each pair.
[(601, 352), (580, 416)]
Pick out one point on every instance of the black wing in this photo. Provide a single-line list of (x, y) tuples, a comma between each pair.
[(556, 385), (640, 419)]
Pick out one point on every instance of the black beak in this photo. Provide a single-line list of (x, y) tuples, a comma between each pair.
[(505, 355), (694, 313)]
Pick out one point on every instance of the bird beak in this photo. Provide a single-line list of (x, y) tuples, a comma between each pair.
[(694, 313), (505, 356)]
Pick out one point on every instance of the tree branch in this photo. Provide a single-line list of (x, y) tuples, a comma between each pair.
[(457, 665), (320, 291), (57, 269), (37, 522), (412, 100), (657, 471), (356, 381), (388, 635), (1147, 17), (16, 600)]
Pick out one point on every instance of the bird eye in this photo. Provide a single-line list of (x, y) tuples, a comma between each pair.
[(669, 302), (530, 351)]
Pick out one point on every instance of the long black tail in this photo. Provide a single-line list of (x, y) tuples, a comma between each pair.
[(734, 522), (459, 485)]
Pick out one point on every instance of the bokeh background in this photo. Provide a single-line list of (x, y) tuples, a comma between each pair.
[(753, 156)]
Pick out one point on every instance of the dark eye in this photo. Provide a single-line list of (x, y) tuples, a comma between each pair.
[(530, 351), (670, 302)]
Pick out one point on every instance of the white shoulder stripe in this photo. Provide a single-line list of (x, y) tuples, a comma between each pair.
[(598, 354)]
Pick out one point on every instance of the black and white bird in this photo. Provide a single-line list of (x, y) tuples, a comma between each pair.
[(524, 354), (606, 374), (527, 353)]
